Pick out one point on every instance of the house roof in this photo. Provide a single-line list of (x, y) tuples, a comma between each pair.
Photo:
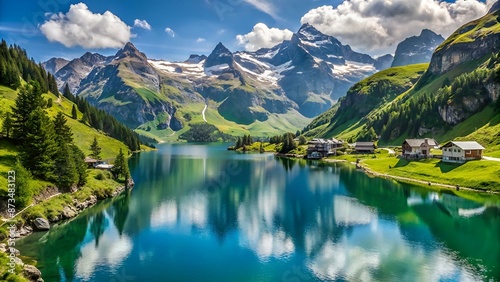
[(418, 142), (90, 160), (465, 145), (365, 144)]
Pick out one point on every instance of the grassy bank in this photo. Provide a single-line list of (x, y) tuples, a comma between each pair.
[(480, 174)]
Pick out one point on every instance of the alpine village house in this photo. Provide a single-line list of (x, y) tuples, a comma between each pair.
[(320, 148), (418, 148), (462, 151)]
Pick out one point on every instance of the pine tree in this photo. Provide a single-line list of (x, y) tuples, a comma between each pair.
[(95, 150), (80, 165), (120, 168), (65, 169), (24, 191), (288, 143), (302, 140), (74, 114), (64, 134), (238, 143), (7, 125), (261, 148), (39, 146), (67, 93), (27, 101)]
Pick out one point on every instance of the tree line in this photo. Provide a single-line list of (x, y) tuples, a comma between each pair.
[(15, 65), (102, 121)]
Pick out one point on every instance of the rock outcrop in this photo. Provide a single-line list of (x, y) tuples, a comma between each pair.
[(472, 41), (41, 224)]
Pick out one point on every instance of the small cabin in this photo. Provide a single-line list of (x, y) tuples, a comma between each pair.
[(97, 164), (418, 148), (91, 163), (462, 151), (364, 147), (319, 148)]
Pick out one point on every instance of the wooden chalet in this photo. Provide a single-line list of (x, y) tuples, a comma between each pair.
[(319, 148), (462, 151), (364, 147), (418, 148)]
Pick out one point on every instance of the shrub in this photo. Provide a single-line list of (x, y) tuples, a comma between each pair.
[(100, 176)]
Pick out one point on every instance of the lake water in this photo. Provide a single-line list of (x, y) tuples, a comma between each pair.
[(201, 213)]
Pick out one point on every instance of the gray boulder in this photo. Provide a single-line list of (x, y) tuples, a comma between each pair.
[(32, 273), (41, 224)]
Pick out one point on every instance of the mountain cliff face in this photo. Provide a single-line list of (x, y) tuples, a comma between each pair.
[(383, 62), (471, 41), (76, 70), (54, 65), (128, 88), (455, 96), (417, 49)]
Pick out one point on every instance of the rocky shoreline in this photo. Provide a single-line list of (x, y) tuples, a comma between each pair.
[(41, 224)]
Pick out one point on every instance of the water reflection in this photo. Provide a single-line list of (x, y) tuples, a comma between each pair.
[(202, 213)]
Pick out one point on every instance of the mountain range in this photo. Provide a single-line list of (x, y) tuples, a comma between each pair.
[(263, 92)]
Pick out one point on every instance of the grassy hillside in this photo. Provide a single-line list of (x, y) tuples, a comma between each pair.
[(484, 127), (83, 135), (471, 31), (376, 91)]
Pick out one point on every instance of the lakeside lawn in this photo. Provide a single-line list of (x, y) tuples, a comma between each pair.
[(479, 174)]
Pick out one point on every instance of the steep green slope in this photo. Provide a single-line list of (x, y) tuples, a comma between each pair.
[(369, 94), (83, 134)]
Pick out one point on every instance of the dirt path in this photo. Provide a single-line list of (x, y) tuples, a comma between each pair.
[(491, 159), (390, 151), (203, 113), (5, 220)]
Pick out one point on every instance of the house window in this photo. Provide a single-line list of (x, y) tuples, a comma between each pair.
[(460, 151), (467, 152)]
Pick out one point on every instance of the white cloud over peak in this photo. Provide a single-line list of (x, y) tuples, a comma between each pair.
[(142, 24), (81, 27), (170, 31), (377, 26), (262, 36), (200, 39)]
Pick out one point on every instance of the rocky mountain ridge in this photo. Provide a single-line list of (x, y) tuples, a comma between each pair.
[(417, 49), (303, 76)]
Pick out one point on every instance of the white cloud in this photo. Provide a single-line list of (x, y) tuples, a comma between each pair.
[(262, 36), (264, 6), (200, 39), (142, 24), (81, 27), (377, 26), (170, 31)]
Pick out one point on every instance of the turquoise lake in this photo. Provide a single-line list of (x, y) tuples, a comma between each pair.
[(201, 213)]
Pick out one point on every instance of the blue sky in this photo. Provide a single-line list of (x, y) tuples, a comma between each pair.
[(196, 26)]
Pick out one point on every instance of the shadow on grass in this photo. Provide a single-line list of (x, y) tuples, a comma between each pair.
[(447, 167), (495, 120), (402, 162), (8, 161)]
